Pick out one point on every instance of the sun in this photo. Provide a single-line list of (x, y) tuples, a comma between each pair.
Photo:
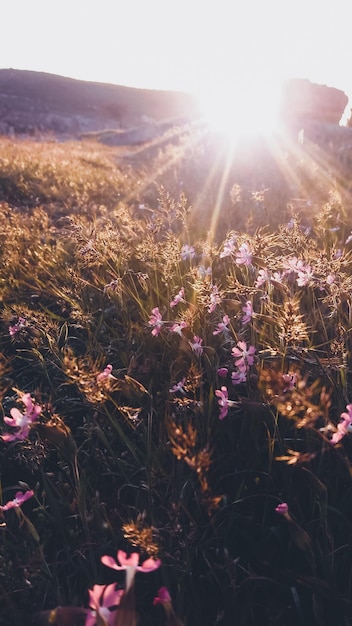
[(248, 110)]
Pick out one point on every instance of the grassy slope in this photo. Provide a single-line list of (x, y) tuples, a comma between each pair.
[(90, 245)]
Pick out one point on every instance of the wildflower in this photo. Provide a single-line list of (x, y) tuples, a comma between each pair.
[(16, 328), (244, 355), (289, 381), (197, 345), (163, 597), (22, 421), (244, 255), (343, 426), (248, 312), (349, 239), (262, 278), (222, 372), (203, 272), (292, 264), (178, 327), (229, 246), (178, 298), (240, 376), (330, 279), (105, 374), (103, 601), (156, 321), (305, 276), (18, 500), (222, 326), (178, 387), (215, 299), (282, 509), (130, 564), (187, 252), (224, 402), (277, 277)]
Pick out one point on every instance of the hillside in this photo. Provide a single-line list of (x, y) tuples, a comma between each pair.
[(32, 102)]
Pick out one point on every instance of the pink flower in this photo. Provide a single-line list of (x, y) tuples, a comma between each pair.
[(22, 421), (18, 500), (330, 279), (103, 601), (130, 564), (178, 327), (343, 426), (222, 372), (163, 597), (187, 252), (289, 380), (244, 355), (224, 402), (178, 387), (304, 276), (16, 328), (262, 278), (239, 377), (248, 312), (178, 298), (155, 321), (105, 374), (222, 326), (282, 509), (244, 255), (197, 345), (229, 246), (293, 264), (215, 299)]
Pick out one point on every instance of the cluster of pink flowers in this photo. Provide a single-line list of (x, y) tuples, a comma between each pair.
[(104, 600), (244, 357), (21, 421), (343, 426)]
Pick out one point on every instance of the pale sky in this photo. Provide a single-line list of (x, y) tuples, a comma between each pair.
[(184, 45)]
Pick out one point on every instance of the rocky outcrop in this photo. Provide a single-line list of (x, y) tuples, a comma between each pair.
[(304, 102)]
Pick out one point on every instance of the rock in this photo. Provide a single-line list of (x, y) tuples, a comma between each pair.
[(304, 102)]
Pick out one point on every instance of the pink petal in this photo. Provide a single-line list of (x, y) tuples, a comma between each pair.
[(11, 421), (109, 561), (16, 414), (149, 565)]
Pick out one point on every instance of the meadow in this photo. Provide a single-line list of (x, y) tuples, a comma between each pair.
[(175, 383)]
